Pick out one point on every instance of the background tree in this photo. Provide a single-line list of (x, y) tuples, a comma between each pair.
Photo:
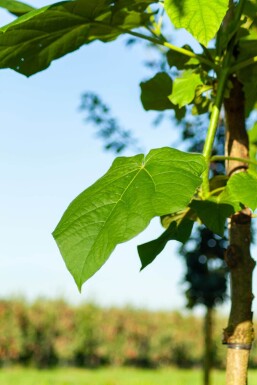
[(207, 284), (165, 181)]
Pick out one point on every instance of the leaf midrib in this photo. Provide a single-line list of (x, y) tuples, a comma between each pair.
[(106, 221)]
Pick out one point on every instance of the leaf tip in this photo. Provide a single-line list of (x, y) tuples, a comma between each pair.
[(142, 268)]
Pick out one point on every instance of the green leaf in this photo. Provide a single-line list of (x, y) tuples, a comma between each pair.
[(202, 105), (184, 88), (242, 189), (218, 181), (250, 10), (181, 61), (121, 204), (252, 134), (155, 95), (17, 8), (213, 212), (202, 18), (176, 231), (247, 49), (30, 43), (155, 92), (247, 76)]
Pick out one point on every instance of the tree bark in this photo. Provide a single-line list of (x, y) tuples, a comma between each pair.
[(239, 333), (208, 346)]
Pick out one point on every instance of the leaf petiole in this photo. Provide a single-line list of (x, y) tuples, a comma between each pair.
[(243, 64), (217, 190), (172, 47), (217, 158)]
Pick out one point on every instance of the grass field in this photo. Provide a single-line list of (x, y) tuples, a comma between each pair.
[(19, 376)]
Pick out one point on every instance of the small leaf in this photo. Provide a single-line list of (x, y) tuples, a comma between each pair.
[(250, 10), (248, 49), (181, 61), (184, 87), (213, 212), (155, 92), (176, 231), (202, 105), (17, 8), (202, 18), (242, 189), (121, 204), (218, 181)]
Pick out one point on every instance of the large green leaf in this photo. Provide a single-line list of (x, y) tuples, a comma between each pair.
[(176, 231), (121, 204), (202, 18), (17, 8), (31, 42), (184, 88), (241, 190)]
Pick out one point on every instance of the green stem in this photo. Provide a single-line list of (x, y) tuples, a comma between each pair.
[(217, 190), (213, 125), (214, 120), (158, 41), (217, 158), (243, 64), (172, 47)]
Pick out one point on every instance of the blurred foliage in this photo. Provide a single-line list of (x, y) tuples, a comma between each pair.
[(206, 268), (115, 137), (51, 333)]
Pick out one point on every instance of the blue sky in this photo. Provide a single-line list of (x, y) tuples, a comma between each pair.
[(48, 155)]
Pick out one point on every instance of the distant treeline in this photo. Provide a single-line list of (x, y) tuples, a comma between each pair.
[(49, 333)]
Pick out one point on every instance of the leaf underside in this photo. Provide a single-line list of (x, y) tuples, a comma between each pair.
[(213, 213), (155, 92), (179, 232), (30, 43), (17, 8), (121, 204)]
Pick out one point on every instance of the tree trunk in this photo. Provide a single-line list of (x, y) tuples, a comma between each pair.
[(208, 345), (239, 333)]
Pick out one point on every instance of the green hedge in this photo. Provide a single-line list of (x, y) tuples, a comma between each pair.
[(49, 333)]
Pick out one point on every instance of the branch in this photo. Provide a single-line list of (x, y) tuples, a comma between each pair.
[(217, 158), (243, 64), (172, 47), (156, 40)]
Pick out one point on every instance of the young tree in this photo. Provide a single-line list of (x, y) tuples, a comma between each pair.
[(165, 181)]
